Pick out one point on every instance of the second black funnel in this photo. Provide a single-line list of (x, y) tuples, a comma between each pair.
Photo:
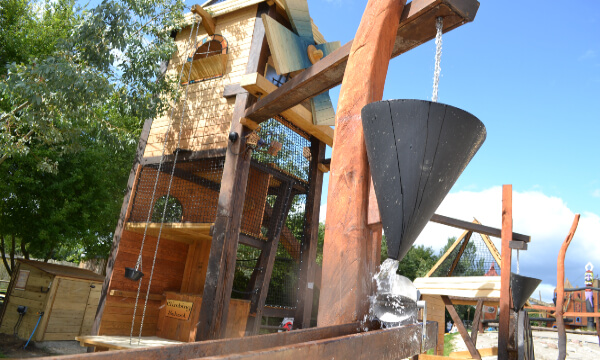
[(522, 287), (417, 150)]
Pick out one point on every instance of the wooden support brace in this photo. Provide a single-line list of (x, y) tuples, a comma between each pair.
[(207, 21), (476, 322), (298, 115), (461, 328), (260, 282), (459, 254)]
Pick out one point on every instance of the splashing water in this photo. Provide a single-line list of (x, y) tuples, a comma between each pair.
[(395, 301)]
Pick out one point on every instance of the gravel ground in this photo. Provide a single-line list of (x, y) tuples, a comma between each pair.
[(584, 347), (12, 347)]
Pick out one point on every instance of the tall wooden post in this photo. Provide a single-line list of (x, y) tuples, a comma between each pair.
[(308, 257), (223, 250), (346, 258), (506, 258)]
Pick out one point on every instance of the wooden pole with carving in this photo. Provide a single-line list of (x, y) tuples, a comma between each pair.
[(346, 260), (560, 291)]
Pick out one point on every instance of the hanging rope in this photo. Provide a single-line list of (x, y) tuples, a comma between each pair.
[(138, 265), (439, 25)]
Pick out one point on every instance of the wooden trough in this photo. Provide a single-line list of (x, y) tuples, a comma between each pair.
[(347, 341)]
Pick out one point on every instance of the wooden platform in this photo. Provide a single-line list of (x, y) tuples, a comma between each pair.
[(187, 233), (115, 342), (464, 286)]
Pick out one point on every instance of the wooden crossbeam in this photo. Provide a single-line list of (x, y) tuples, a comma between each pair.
[(475, 227), (416, 27), (461, 328), (207, 20), (298, 115)]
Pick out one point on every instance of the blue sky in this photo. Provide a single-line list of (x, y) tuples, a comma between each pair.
[(531, 74)]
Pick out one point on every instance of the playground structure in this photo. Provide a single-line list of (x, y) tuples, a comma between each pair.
[(218, 183)]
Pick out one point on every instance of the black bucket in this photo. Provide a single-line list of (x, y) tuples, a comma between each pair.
[(133, 274), (522, 287), (417, 150)]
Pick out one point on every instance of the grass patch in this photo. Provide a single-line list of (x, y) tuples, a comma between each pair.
[(448, 347)]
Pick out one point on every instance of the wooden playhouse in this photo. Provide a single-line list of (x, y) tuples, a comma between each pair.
[(231, 200), (67, 296)]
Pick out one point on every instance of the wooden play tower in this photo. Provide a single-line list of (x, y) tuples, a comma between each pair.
[(242, 155)]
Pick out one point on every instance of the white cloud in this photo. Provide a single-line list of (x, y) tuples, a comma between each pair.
[(547, 219), (596, 193)]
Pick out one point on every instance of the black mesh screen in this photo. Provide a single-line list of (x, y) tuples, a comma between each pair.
[(476, 260), (270, 172)]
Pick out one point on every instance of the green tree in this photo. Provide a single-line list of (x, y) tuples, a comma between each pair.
[(99, 60), (75, 86)]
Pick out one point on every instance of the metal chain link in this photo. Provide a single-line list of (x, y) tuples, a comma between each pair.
[(439, 25), (138, 265), (162, 220)]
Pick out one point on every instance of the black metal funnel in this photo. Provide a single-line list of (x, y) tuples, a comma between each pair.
[(133, 274), (522, 287), (417, 150)]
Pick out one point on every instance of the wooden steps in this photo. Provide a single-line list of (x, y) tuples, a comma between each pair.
[(188, 233)]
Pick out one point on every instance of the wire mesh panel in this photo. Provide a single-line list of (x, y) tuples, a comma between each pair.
[(280, 161), (476, 260), (196, 185)]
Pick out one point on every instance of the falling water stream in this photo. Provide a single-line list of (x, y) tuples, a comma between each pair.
[(395, 302)]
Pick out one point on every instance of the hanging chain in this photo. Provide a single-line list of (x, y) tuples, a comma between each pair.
[(162, 220), (138, 265), (439, 24)]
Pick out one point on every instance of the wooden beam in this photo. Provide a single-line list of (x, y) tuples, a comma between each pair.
[(459, 254), (347, 253), (207, 20), (476, 322), (461, 328), (221, 264), (506, 255), (478, 228), (415, 28), (308, 259), (466, 355), (298, 115), (260, 280)]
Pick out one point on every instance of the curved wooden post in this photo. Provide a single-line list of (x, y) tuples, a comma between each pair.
[(560, 291), (347, 263)]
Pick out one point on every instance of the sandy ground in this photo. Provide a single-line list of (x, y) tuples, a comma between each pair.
[(584, 347), (12, 347)]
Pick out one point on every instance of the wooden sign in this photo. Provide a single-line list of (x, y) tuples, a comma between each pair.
[(179, 309)]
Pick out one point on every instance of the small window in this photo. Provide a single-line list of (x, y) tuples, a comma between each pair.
[(21, 282), (207, 61), (578, 319), (173, 213)]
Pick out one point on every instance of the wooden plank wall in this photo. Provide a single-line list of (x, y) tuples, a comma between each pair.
[(32, 297), (436, 311), (168, 274), (208, 114)]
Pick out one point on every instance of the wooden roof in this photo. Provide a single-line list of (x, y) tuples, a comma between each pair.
[(63, 270), (225, 7)]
